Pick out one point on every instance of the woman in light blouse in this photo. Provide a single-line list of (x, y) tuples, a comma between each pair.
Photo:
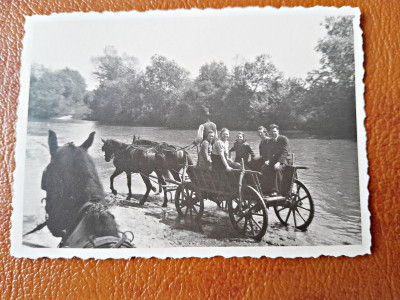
[(220, 151)]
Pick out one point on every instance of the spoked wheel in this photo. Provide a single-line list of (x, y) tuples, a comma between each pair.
[(299, 205), (189, 202), (251, 219)]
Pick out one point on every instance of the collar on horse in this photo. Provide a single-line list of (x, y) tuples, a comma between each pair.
[(97, 242), (110, 242)]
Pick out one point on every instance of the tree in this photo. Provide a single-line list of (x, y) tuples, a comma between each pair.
[(337, 49), (256, 94), (74, 85), (118, 98), (331, 91), (111, 65), (211, 85), (54, 93), (163, 85), (206, 93)]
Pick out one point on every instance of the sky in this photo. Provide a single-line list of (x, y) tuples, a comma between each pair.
[(190, 38)]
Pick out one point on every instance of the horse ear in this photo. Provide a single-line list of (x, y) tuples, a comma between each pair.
[(86, 144), (103, 141), (53, 144)]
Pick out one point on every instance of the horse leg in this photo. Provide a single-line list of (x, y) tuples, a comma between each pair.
[(129, 182), (162, 181), (115, 174), (148, 188)]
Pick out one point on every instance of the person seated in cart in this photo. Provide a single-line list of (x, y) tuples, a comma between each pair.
[(205, 128), (257, 163), (204, 158), (242, 149), (273, 151), (219, 154)]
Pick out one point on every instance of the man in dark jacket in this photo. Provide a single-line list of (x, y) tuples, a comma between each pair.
[(275, 159)]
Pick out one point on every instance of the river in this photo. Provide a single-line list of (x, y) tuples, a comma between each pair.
[(332, 179)]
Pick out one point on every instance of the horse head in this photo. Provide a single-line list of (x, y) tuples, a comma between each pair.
[(109, 148), (70, 180)]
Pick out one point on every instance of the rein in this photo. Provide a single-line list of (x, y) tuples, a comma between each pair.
[(181, 148), (191, 145)]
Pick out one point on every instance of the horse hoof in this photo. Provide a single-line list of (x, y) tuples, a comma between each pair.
[(153, 189), (129, 197), (141, 202), (164, 205), (114, 192)]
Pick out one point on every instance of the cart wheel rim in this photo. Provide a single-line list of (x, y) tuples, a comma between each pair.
[(300, 207), (251, 219), (188, 202)]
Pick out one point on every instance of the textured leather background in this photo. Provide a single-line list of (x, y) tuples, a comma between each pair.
[(376, 276)]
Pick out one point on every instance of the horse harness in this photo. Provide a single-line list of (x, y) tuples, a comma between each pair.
[(98, 242)]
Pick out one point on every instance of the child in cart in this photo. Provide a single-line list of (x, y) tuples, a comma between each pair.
[(242, 149)]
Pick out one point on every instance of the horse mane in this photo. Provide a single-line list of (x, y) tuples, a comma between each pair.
[(99, 221), (117, 144)]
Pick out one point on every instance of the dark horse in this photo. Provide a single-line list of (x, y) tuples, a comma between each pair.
[(135, 159), (75, 203), (175, 159)]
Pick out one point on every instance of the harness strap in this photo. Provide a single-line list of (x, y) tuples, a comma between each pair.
[(75, 223), (40, 226), (147, 147), (109, 242), (121, 241), (181, 148)]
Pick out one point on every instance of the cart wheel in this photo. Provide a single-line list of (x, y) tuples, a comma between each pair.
[(252, 218), (189, 202), (299, 204)]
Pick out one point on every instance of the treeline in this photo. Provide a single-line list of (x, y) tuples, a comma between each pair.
[(56, 93), (248, 95)]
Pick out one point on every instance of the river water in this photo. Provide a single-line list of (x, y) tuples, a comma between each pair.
[(332, 177)]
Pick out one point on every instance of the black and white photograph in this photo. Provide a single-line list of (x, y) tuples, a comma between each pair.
[(192, 133)]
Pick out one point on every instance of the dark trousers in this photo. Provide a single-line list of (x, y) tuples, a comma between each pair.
[(271, 180)]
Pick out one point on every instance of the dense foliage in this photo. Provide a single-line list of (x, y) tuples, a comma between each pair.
[(56, 93), (252, 93)]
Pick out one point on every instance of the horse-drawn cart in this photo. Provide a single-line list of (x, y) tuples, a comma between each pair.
[(247, 206)]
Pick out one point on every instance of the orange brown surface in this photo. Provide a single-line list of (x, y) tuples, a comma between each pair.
[(375, 276)]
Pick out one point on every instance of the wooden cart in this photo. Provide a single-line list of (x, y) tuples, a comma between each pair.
[(247, 206)]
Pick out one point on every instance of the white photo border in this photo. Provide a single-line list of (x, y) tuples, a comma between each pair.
[(17, 248)]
